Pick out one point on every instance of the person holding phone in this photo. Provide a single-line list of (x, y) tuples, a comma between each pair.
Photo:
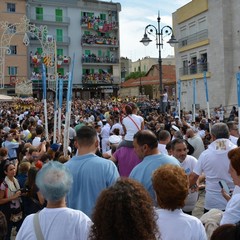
[(232, 211)]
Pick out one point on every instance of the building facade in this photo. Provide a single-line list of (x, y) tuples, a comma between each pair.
[(13, 65), (86, 30), (209, 41), (144, 64)]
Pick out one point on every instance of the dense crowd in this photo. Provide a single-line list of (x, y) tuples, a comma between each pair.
[(131, 171)]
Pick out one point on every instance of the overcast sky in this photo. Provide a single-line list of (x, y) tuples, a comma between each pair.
[(135, 16)]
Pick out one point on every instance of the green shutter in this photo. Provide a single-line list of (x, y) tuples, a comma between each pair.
[(87, 52), (92, 71), (84, 71), (99, 53), (59, 33), (61, 71), (102, 16), (58, 15), (39, 13), (39, 50), (60, 52)]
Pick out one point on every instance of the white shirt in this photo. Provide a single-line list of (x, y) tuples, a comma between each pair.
[(232, 211), (105, 133), (165, 97), (36, 141), (198, 145), (162, 148), (131, 127), (119, 126), (176, 225), (233, 139), (214, 163), (57, 223), (188, 165)]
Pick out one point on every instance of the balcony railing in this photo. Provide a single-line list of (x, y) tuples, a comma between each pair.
[(37, 84), (97, 78), (59, 39), (196, 37), (98, 24), (92, 39), (95, 59), (195, 69), (50, 18)]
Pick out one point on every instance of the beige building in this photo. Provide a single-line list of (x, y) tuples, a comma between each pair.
[(209, 41), (144, 64), (15, 65)]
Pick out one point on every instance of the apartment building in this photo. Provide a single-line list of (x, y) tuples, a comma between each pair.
[(13, 65), (88, 30), (209, 41)]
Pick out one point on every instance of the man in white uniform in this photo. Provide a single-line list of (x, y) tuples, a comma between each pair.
[(215, 164)]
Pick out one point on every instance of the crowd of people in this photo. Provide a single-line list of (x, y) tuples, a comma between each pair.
[(130, 172)]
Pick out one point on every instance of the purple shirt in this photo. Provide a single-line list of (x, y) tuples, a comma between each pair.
[(127, 159)]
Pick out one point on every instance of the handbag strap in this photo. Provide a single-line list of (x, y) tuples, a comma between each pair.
[(135, 123), (37, 227)]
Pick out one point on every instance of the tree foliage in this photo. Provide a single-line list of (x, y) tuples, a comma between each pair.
[(135, 75)]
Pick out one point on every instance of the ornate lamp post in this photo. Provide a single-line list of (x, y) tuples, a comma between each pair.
[(149, 29)]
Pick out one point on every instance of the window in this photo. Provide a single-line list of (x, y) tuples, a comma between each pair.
[(11, 29), (202, 24), (12, 71), (58, 15), (13, 49), (102, 16), (39, 50), (59, 33), (61, 72), (59, 52), (39, 13), (11, 7)]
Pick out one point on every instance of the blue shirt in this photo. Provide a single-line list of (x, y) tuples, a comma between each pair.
[(91, 175), (144, 170), (11, 147)]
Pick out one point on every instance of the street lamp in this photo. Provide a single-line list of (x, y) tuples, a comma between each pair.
[(159, 43)]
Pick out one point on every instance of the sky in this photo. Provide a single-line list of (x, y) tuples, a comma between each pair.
[(135, 15)]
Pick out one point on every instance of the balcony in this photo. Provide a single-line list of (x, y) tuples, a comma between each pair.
[(97, 79), (37, 84), (195, 69), (98, 24), (103, 60), (61, 40), (97, 41), (49, 19), (194, 38)]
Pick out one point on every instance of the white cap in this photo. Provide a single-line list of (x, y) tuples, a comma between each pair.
[(175, 128), (177, 116), (114, 139)]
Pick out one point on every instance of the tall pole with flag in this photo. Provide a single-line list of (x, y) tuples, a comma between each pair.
[(68, 109), (238, 95), (56, 94), (60, 105), (44, 84), (179, 96), (194, 99), (206, 90)]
